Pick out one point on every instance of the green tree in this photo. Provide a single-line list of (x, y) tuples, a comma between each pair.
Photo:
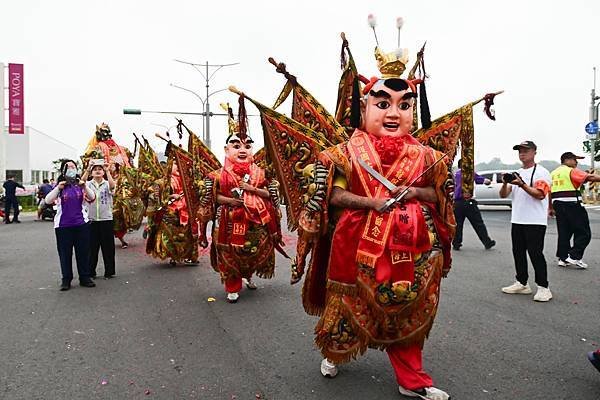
[(587, 148)]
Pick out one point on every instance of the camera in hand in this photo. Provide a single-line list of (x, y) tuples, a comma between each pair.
[(510, 176)]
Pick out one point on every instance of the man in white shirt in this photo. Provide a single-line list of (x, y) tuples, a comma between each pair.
[(529, 188)]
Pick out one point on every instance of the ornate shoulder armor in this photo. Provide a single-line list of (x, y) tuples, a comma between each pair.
[(206, 190), (315, 186), (273, 189)]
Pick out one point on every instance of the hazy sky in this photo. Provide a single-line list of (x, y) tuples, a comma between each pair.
[(87, 60)]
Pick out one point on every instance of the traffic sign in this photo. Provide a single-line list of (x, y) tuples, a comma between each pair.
[(592, 128)]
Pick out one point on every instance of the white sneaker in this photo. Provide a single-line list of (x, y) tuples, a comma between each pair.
[(328, 369), (517, 288), (428, 393), (249, 284), (561, 263), (579, 264), (232, 297), (543, 294)]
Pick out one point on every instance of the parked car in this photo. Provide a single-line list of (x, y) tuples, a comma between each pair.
[(490, 194)]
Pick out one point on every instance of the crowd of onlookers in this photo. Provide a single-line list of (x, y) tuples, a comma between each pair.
[(537, 194), (83, 221)]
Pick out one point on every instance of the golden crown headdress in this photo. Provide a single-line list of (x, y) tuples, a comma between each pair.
[(393, 64)]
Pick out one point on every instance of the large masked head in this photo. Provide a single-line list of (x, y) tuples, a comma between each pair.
[(387, 107), (388, 100), (238, 150), (103, 132), (238, 145)]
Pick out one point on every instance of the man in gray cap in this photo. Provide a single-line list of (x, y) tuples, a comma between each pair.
[(571, 217), (529, 188)]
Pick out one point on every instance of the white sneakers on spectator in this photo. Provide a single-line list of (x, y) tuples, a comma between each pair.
[(429, 393), (579, 264), (517, 288), (328, 369), (542, 294), (561, 263)]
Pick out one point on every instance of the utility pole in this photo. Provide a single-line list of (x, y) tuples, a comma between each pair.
[(592, 135), (593, 119), (207, 75)]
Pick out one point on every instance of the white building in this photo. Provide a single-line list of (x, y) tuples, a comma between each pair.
[(30, 156)]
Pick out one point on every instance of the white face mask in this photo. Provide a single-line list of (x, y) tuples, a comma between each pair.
[(71, 173)]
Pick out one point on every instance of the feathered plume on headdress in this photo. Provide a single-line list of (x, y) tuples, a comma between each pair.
[(373, 23), (393, 64)]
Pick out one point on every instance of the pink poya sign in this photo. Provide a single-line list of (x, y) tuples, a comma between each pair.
[(16, 105)]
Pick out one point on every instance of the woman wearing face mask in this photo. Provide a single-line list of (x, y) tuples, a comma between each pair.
[(100, 213), (70, 223)]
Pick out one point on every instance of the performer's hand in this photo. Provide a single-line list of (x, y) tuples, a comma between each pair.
[(203, 241), (247, 187), (551, 213), (378, 203), (411, 194), (487, 182), (174, 197), (81, 183), (61, 185)]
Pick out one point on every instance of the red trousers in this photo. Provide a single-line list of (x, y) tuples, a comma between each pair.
[(233, 284), (408, 366)]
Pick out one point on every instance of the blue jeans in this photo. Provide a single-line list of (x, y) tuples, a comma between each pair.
[(77, 237)]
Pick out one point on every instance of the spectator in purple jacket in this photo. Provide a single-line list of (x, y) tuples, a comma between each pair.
[(71, 224), (466, 207)]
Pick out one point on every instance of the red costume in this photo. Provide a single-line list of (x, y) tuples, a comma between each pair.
[(243, 237), (243, 205)]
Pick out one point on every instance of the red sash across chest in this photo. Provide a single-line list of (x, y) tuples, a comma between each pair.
[(255, 208), (403, 230)]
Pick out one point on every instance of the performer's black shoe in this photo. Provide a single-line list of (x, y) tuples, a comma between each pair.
[(491, 244), (456, 247), (65, 286), (16, 221), (89, 283), (594, 357), (249, 284)]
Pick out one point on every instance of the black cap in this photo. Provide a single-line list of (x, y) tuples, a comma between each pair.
[(569, 156), (527, 144)]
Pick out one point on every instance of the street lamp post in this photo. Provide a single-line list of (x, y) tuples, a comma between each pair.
[(593, 118), (206, 103), (206, 114)]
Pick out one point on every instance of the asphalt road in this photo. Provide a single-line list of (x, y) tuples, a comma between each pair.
[(152, 333)]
